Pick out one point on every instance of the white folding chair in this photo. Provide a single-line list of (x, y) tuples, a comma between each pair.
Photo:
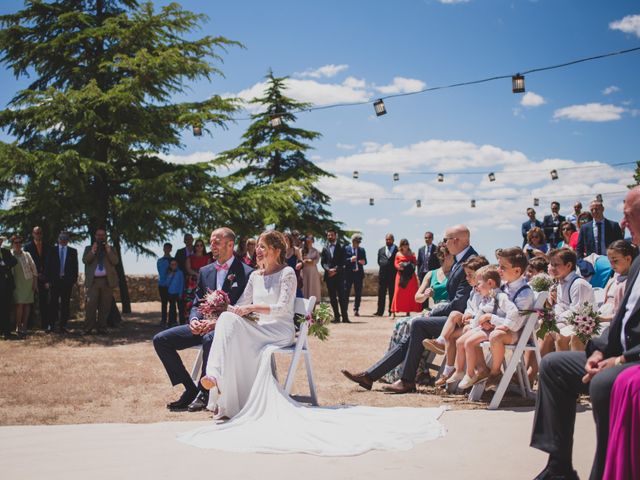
[(598, 295), (299, 348), (526, 342)]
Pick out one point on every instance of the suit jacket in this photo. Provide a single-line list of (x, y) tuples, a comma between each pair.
[(336, 261), (234, 284), (526, 226), (609, 343), (587, 242), (39, 260), (553, 237), (90, 261), (7, 262), (349, 252), (52, 266), (387, 264), (458, 289), (429, 262), (181, 258)]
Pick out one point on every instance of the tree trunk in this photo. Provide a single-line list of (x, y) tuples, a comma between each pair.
[(122, 279)]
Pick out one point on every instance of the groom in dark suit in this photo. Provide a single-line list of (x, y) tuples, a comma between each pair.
[(227, 273), (565, 375), (597, 235), (408, 352)]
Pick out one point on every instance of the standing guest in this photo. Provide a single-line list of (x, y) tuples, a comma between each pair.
[(409, 352), (565, 375), (297, 240), (583, 219), (25, 277), (577, 210), (332, 260), (406, 287), (249, 257), (7, 262), (163, 270), (194, 262), (38, 252), (229, 274), (386, 274), (536, 244), (529, 224), (61, 272), (551, 225), (355, 259), (175, 287), (311, 286), (181, 256), (596, 236), (293, 258), (567, 229), (100, 278), (427, 257)]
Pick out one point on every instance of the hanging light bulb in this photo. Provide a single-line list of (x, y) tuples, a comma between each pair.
[(536, 202), (396, 177), (554, 174), (492, 177), (355, 174), (441, 177), (275, 121), (371, 202), (197, 131), (517, 83), (418, 203), (378, 106), (473, 204)]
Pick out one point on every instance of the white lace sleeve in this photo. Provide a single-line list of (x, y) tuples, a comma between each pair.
[(287, 297), (247, 295)]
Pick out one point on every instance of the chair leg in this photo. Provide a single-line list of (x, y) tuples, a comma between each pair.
[(274, 367), (509, 370), (312, 385), (197, 367)]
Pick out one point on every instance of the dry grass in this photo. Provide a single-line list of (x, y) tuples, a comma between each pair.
[(53, 379)]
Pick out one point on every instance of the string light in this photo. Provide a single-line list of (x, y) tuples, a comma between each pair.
[(517, 83), (355, 174), (473, 204), (418, 203), (371, 202), (599, 198), (396, 177), (441, 177), (379, 108), (492, 177), (275, 122), (554, 174), (536, 202)]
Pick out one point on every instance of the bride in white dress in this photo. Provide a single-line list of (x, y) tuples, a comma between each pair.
[(263, 417)]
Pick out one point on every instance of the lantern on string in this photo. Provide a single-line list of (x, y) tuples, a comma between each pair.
[(441, 177), (355, 174), (396, 177), (378, 106), (418, 203), (517, 83), (536, 202), (492, 177), (371, 202), (275, 121), (197, 131), (599, 198), (554, 174), (473, 204)]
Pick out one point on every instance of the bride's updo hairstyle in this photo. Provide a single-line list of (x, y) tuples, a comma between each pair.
[(276, 240)]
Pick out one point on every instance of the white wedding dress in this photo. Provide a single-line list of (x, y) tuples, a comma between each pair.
[(264, 418)]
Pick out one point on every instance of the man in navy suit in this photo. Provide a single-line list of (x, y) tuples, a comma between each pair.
[(387, 273), (61, 274), (597, 235), (551, 225), (227, 273), (408, 352), (565, 375), (332, 260), (355, 258), (529, 224), (427, 258)]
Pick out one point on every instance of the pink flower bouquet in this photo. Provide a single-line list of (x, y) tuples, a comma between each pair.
[(213, 304)]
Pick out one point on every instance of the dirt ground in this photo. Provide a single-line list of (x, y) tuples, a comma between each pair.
[(71, 379)]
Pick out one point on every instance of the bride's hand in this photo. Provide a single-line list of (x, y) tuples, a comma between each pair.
[(241, 311)]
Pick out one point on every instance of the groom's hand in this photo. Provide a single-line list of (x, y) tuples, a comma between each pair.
[(206, 326), (195, 326)]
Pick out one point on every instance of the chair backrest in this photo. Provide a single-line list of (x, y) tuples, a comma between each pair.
[(598, 295), (530, 325), (303, 306)]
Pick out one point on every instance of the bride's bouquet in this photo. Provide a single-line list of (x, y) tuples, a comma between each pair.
[(585, 322), (213, 304)]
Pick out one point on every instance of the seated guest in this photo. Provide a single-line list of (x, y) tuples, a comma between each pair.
[(535, 266), (565, 375), (598, 270), (494, 309), (175, 287), (536, 243), (567, 229), (596, 236), (621, 255), (406, 281), (410, 351), (458, 322), (511, 266), (529, 224), (434, 283), (572, 292)]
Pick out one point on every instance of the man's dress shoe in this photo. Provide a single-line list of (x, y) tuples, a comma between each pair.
[(200, 403), (400, 387), (361, 379), (183, 402)]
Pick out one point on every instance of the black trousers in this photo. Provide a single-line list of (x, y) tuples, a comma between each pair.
[(168, 342), (408, 352), (59, 298), (173, 301), (560, 383), (355, 280), (5, 307), (338, 296), (386, 283), (164, 302)]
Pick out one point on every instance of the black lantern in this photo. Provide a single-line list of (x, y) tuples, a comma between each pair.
[(492, 177), (517, 83), (418, 203), (441, 177), (378, 106), (371, 202), (275, 122), (536, 202), (355, 174), (473, 204), (396, 177), (554, 174), (197, 131)]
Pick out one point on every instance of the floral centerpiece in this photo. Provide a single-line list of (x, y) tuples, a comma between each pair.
[(585, 322), (318, 321), (213, 304)]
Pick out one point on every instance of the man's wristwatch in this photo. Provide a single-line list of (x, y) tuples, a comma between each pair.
[(619, 360)]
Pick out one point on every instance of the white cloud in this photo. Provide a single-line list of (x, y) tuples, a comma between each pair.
[(402, 85), (611, 89), (590, 112), (531, 99), (345, 146), (629, 24), (354, 82), (191, 158), (378, 222), (324, 71), (356, 192)]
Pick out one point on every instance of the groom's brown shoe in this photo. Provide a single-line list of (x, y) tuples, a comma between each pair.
[(361, 379), (400, 387)]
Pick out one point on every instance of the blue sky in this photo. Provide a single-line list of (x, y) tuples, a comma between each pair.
[(587, 114)]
